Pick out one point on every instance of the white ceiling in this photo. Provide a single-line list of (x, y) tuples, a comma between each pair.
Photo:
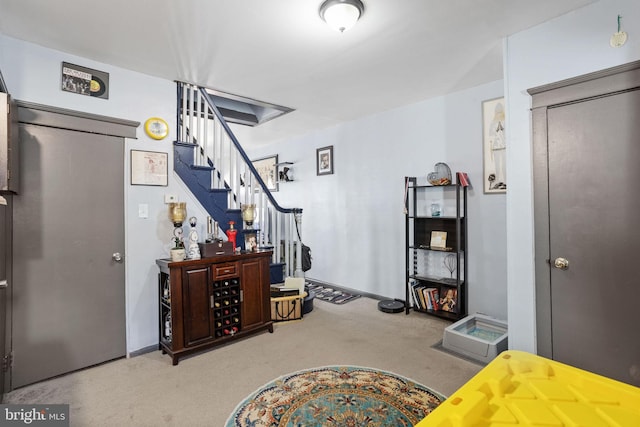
[(280, 51)]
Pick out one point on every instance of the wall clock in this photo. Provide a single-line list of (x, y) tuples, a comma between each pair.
[(156, 128)]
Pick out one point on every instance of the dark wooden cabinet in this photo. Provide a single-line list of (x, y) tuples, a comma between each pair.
[(211, 301)]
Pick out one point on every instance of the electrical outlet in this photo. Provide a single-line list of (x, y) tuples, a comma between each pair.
[(170, 198)]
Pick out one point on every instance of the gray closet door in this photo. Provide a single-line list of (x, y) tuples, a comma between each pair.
[(69, 293), (594, 206), (587, 238)]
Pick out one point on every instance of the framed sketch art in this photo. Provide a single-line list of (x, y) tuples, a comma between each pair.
[(324, 160), (149, 168), (267, 169), (494, 146)]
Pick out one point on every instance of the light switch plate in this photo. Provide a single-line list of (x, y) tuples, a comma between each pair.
[(143, 210)]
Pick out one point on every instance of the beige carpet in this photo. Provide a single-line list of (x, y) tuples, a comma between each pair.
[(204, 389)]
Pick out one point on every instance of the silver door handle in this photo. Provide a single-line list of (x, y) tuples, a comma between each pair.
[(561, 263), (3, 284), (117, 257)]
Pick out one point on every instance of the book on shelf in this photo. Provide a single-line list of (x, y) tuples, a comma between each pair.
[(463, 179), (427, 298), (414, 296), (431, 298), (423, 303), (415, 291), (435, 298)]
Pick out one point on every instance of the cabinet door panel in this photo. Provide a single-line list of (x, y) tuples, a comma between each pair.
[(196, 305), (254, 275)]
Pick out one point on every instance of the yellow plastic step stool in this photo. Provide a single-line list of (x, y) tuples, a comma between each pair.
[(522, 389)]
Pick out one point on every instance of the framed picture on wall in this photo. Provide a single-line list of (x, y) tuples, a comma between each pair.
[(267, 169), (149, 168), (494, 146), (324, 160), (84, 81)]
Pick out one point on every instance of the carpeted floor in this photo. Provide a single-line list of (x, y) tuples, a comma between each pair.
[(204, 389), (329, 294), (438, 346), (337, 395)]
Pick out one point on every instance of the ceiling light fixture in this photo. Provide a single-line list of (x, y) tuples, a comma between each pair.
[(341, 14)]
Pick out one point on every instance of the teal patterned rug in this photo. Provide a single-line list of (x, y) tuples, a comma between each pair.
[(337, 396)]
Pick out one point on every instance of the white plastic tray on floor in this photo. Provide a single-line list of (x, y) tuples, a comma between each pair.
[(477, 336)]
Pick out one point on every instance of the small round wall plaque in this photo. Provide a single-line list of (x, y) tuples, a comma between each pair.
[(156, 128)]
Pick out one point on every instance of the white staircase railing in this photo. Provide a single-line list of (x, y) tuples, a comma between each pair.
[(200, 123)]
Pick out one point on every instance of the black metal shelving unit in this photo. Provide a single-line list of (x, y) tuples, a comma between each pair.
[(419, 285)]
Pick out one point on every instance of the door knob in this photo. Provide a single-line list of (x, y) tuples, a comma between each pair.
[(117, 257), (561, 263)]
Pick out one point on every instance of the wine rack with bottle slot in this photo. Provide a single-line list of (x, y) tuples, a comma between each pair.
[(226, 307), (165, 308), (211, 301)]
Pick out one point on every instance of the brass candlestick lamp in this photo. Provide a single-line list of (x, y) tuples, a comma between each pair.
[(249, 214), (177, 214)]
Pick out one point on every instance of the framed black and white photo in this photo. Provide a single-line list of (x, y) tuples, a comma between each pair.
[(324, 160), (267, 169), (149, 168), (494, 146), (84, 81)]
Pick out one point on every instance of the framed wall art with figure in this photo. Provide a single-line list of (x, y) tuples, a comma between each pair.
[(149, 168), (267, 169), (494, 146)]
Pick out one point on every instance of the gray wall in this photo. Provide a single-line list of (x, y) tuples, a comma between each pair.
[(32, 74), (353, 220), (372, 156)]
